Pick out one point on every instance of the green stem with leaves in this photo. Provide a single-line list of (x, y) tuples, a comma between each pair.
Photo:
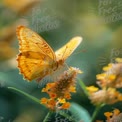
[(83, 86), (46, 119), (96, 111), (27, 95)]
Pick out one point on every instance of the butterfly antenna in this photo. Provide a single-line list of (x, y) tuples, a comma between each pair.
[(66, 65), (80, 51)]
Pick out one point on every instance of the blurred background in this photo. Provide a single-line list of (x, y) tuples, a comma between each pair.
[(99, 22)]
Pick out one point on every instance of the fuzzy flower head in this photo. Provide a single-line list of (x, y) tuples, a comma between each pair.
[(61, 90), (114, 116), (104, 96), (109, 81), (112, 75)]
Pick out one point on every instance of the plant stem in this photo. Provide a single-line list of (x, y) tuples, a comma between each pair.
[(83, 86), (96, 112), (47, 116), (27, 95)]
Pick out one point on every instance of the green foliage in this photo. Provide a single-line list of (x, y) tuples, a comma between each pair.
[(80, 113)]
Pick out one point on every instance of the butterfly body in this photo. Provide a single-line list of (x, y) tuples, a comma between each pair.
[(36, 59)]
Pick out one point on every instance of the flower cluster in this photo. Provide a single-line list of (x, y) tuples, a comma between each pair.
[(114, 116), (60, 91), (104, 96), (109, 81), (112, 75)]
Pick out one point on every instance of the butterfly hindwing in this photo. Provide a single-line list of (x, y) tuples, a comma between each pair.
[(32, 65)]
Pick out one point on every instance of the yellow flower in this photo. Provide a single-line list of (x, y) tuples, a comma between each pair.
[(108, 115), (72, 89), (61, 90), (108, 81), (105, 96), (114, 116), (44, 101), (52, 95), (112, 75), (119, 60), (92, 89), (116, 112), (44, 90), (49, 85), (61, 100), (67, 96), (106, 68), (100, 76), (65, 105), (51, 104)]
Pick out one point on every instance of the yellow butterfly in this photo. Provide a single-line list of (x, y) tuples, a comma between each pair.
[(36, 58)]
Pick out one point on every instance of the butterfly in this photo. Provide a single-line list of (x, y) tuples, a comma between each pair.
[(36, 59)]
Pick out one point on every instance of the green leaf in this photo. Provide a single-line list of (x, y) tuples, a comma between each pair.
[(13, 79), (25, 94), (80, 113)]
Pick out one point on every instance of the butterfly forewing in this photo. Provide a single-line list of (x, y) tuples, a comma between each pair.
[(31, 41), (65, 51)]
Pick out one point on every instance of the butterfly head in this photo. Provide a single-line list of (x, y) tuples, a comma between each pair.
[(60, 62)]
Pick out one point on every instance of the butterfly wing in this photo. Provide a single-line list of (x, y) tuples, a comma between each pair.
[(65, 51), (36, 57), (29, 40)]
